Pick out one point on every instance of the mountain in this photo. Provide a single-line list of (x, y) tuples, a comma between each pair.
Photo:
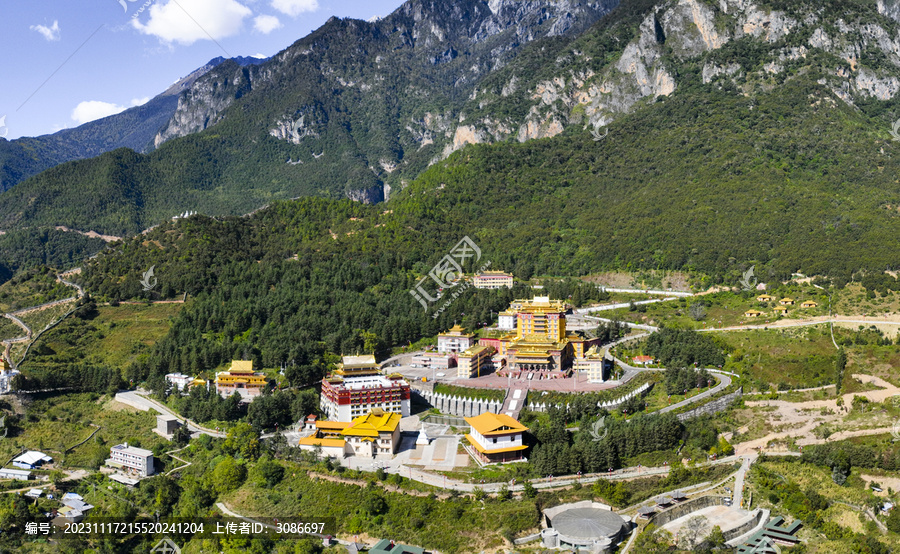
[(133, 128), (341, 112), (685, 134)]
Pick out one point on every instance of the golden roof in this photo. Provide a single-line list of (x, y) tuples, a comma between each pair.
[(542, 304), (489, 423), (313, 441), (474, 351), (241, 366), (335, 425), (364, 361), (456, 331), (370, 425), (593, 352)]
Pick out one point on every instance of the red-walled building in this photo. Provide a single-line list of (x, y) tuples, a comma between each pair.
[(346, 398)]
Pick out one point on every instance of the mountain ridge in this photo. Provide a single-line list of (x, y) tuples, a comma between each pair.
[(133, 128)]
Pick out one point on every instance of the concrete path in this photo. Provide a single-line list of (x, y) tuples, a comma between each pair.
[(746, 462), (723, 384), (139, 400)]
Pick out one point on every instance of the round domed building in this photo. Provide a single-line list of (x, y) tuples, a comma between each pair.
[(583, 526)]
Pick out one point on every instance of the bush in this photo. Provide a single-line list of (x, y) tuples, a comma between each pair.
[(228, 475)]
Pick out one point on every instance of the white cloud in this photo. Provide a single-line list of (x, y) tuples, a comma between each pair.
[(265, 24), (294, 8), (187, 21), (94, 109), (50, 33), (140, 101)]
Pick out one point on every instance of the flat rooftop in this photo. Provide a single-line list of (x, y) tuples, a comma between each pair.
[(369, 382)]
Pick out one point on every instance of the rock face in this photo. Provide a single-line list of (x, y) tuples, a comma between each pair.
[(411, 90), (387, 89), (889, 8), (594, 95)]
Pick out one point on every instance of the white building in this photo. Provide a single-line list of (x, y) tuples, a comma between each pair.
[(507, 320), (594, 364), (496, 438), (179, 380), (493, 280), (433, 360), (455, 340), (131, 458), (19, 474), (31, 460)]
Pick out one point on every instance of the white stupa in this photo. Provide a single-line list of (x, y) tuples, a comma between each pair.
[(422, 438)]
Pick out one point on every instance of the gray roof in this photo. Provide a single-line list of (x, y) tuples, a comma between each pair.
[(588, 523)]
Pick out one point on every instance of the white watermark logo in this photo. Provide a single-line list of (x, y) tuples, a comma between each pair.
[(748, 281), (595, 132), (4, 130), (149, 280), (140, 10), (599, 427), (765, 546), (446, 273), (166, 546), (895, 130)]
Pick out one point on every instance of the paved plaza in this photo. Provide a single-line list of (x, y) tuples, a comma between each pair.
[(726, 517)]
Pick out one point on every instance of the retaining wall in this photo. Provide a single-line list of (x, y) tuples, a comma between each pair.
[(716, 406), (641, 391), (661, 518), (458, 406)]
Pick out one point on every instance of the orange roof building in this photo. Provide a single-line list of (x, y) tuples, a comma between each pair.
[(496, 438), (240, 378), (376, 434)]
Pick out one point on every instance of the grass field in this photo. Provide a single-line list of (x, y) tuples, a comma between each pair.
[(31, 288), (9, 330), (853, 300), (881, 361), (55, 423), (724, 309), (797, 357), (37, 320), (115, 337)]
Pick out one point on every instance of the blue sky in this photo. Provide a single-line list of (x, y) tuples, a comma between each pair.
[(68, 62)]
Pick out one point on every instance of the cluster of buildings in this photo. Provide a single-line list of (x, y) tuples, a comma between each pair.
[(374, 435), (357, 387), (781, 308), (239, 378), (24, 463), (537, 343)]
